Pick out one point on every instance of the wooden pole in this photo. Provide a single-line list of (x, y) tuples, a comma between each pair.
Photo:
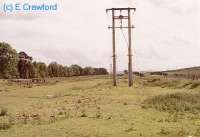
[(113, 27), (130, 75), (114, 50)]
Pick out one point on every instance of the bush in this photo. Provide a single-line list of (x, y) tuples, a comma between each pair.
[(3, 111), (5, 123), (195, 85), (177, 102)]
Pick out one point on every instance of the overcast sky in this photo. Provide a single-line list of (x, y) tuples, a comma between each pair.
[(165, 37)]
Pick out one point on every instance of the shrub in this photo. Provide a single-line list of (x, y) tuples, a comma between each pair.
[(5, 122), (3, 111), (177, 102), (195, 85)]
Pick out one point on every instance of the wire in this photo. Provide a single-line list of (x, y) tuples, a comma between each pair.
[(125, 39)]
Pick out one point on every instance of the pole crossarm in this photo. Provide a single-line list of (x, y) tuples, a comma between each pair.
[(120, 9), (121, 17), (110, 27)]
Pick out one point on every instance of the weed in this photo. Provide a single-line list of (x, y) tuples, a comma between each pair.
[(3, 111), (130, 129), (83, 113), (194, 85), (186, 84), (98, 113), (125, 103), (163, 132), (197, 133), (52, 119), (67, 113), (181, 133), (6, 120), (5, 123)]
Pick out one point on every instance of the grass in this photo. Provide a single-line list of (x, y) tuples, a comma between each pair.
[(91, 107), (176, 102)]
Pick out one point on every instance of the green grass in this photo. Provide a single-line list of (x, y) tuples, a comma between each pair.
[(91, 107)]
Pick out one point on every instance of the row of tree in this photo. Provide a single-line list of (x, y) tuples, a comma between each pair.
[(20, 65)]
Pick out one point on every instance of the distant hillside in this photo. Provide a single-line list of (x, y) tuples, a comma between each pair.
[(189, 73), (192, 70)]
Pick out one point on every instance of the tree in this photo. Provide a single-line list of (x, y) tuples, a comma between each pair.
[(25, 66), (66, 74), (103, 71), (125, 71), (100, 71), (41, 69), (13, 65), (35, 70), (88, 71), (61, 71), (8, 61), (76, 70), (69, 71), (53, 70), (30, 70)]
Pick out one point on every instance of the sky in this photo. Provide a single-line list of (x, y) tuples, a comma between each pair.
[(165, 34)]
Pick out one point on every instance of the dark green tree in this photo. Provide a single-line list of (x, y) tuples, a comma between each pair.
[(76, 70), (41, 69), (8, 61), (100, 71), (69, 72), (61, 71), (30, 70), (88, 71), (25, 66), (53, 69)]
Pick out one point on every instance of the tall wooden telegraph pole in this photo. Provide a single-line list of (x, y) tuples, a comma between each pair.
[(129, 27), (114, 51)]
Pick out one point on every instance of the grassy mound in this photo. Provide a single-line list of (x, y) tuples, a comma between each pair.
[(177, 102)]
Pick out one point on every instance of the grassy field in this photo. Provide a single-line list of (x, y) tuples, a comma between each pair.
[(91, 107)]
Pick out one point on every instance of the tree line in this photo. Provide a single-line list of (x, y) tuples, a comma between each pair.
[(20, 65)]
